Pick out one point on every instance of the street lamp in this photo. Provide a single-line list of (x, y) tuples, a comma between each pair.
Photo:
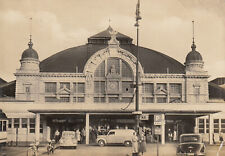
[(137, 113)]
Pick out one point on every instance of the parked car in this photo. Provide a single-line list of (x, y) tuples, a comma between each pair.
[(116, 136), (191, 144), (68, 139)]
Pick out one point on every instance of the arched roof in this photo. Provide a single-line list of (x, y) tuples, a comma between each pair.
[(70, 59)]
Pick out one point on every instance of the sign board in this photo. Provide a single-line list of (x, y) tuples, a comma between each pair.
[(144, 117), (157, 119), (158, 131)]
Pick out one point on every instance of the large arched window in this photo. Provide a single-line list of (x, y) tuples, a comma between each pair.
[(112, 81)]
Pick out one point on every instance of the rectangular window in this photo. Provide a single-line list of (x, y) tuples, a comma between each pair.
[(207, 125), (4, 126), (99, 87), (147, 99), (65, 85), (50, 87), (99, 99), (148, 88), (201, 126), (161, 99), (216, 125), (51, 99), (27, 90), (64, 99), (223, 125), (24, 122), (175, 100), (1, 122), (32, 125), (175, 89), (10, 123), (113, 99), (161, 86), (41, 126), (126, 87), (16, 122)]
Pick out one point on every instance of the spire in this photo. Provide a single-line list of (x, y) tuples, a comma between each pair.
[(30, 44), (193, 46)]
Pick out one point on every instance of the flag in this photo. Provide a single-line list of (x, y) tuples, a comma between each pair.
[(138, 17)]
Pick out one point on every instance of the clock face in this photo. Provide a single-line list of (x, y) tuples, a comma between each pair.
[(112, 86)]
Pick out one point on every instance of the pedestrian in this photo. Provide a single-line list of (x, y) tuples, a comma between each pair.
[(221, 137), (57, 136), (78, 135), (174, 136), (134, 144), (142, 143)]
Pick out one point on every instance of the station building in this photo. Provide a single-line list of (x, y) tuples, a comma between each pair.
[(91, 87)]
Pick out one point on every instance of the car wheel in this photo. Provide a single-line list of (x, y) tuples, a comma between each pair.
[(127, 143), (101, 143)]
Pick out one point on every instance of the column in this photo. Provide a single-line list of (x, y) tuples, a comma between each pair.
[(37, 127), (211, 129), (163, 130), (87, 128)]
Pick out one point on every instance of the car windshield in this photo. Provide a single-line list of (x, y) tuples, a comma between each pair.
[(190, 138)]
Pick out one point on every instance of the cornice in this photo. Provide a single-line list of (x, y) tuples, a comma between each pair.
[(163, 76)]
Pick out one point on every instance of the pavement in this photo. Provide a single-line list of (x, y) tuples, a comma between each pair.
[(116, 150)]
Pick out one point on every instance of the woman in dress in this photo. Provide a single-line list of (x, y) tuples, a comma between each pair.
[(134, 144)]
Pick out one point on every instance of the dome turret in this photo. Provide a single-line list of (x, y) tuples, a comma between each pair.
[(193, 56), (29, 59)]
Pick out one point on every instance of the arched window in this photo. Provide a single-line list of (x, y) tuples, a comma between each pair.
[(112, 81)]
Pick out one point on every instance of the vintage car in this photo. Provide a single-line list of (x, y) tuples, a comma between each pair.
[(68, 139), (116, 136), (191, 144)]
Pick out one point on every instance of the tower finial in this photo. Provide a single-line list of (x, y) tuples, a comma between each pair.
[(30, 44), (193, 46), (109, 21)]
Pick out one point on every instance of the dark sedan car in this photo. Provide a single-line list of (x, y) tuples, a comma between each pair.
[(191, 144)]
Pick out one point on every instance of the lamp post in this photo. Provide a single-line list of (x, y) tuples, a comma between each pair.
[(137, 112)]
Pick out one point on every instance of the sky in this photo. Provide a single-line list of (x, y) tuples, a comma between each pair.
[(166, 26)]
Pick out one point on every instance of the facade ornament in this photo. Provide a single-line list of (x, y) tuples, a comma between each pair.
[(113, 42)]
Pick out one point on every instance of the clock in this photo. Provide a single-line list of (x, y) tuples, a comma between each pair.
[(112, 86)]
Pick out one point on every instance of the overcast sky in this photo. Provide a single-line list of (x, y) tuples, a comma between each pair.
[(60, 24)]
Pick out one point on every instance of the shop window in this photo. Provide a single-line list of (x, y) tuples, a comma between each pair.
[(50, 87), (41, 126), (65, 85), (99, 99), (64, 99), (147, 99), (216, 125), (201, 125), (99, 87), (51, 99), (126, 87), (148, 88), (10, 123), (24, 122), (16, 122), (32, 125)]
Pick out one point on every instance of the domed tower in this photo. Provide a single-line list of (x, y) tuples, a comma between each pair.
[(196, 77), (29, 60), (194, 61)]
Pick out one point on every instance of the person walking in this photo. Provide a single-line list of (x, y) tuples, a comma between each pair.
[(134, 144), (77, 135), (57, 137), (142, 143), (221, 137)]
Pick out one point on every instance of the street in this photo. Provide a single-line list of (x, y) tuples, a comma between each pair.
[(94, 150)]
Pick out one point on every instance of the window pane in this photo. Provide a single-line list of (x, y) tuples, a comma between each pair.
[(24, 123), (127, 99), (64, 99), (126, 70), (99, 87), (16, 123), (161, 86), (147, 88), (161, 100), (32, 125), (10, 123), (147, 99), (100, 71), (4, 126), (175, 100), (126, 87), (51, 99), (175, 88), (81, 88), (50, 87), (113, 99), (99, 99), (1, 126)]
